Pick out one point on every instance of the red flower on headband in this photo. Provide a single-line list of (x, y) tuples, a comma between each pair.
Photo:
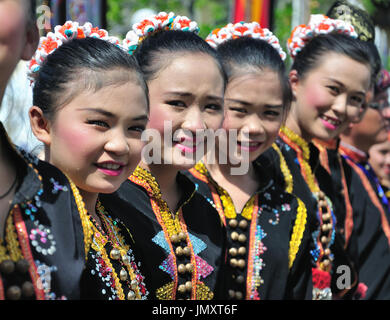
[(184, 22), (241, 29), (324, 26), (144, 24), (102, 33), (161, 17), (49, 45)]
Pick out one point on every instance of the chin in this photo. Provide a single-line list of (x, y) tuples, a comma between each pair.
[(184, 165), (106, 186)]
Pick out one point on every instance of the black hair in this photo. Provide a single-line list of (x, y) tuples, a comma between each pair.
[(82, 64), (246, 53), (308, 58), (31, 11), (151, 53)]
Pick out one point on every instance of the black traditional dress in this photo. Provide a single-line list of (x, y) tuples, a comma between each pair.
[(42, 252), (266, 259), (181, 251), (310, 182), (370, 220), (112, 271), (52, 248)]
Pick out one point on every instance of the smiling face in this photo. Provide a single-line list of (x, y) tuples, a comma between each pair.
[(96, 138), (254, 107), (328, 97), (380, 160), (188, 95)]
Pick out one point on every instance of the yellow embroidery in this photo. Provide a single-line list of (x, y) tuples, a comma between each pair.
[(297, 234), (288, 178), (12, 249), (248, 209), (171, 222), (304, 146), (165, 292), (93, 238), (84, 217)]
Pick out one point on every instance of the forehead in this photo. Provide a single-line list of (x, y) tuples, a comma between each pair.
[(190, 72), (256, 87), (124, 100), (384, 146), (351, 73)]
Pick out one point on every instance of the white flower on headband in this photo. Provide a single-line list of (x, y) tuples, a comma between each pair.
[(161, 21), (243, 29), (318, 24), (70, 30)]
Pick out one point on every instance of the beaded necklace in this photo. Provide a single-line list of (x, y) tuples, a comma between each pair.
[(97, 237), (324, 237), (176, 235)]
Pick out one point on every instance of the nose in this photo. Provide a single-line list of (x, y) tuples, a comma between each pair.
[(194, 120), (254, 126), (340, 107), (117, 143)]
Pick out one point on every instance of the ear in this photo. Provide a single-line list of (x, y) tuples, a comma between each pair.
[(40, 125), (294, 81), (32, 40)]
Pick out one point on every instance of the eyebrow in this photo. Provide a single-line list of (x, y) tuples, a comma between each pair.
[(247, 104), (111, 115), (342, 85), (189, 94)]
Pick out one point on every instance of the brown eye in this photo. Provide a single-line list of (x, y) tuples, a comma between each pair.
[(98, 123), (237, 109), (176, 103), (213, 106), (334, 89), (137, 128)]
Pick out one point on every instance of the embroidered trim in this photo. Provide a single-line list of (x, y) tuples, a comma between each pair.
[(172, 227), (324, 236), (253, 278), (200, 172), (301, 218), (288, 178), (367, 185), (348, 224), (297, 234), (26, 250), (84, 217)]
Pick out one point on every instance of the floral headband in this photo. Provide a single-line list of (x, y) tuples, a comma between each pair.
[(318, 24), (159, 22), (70, 30), (242, 29)]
